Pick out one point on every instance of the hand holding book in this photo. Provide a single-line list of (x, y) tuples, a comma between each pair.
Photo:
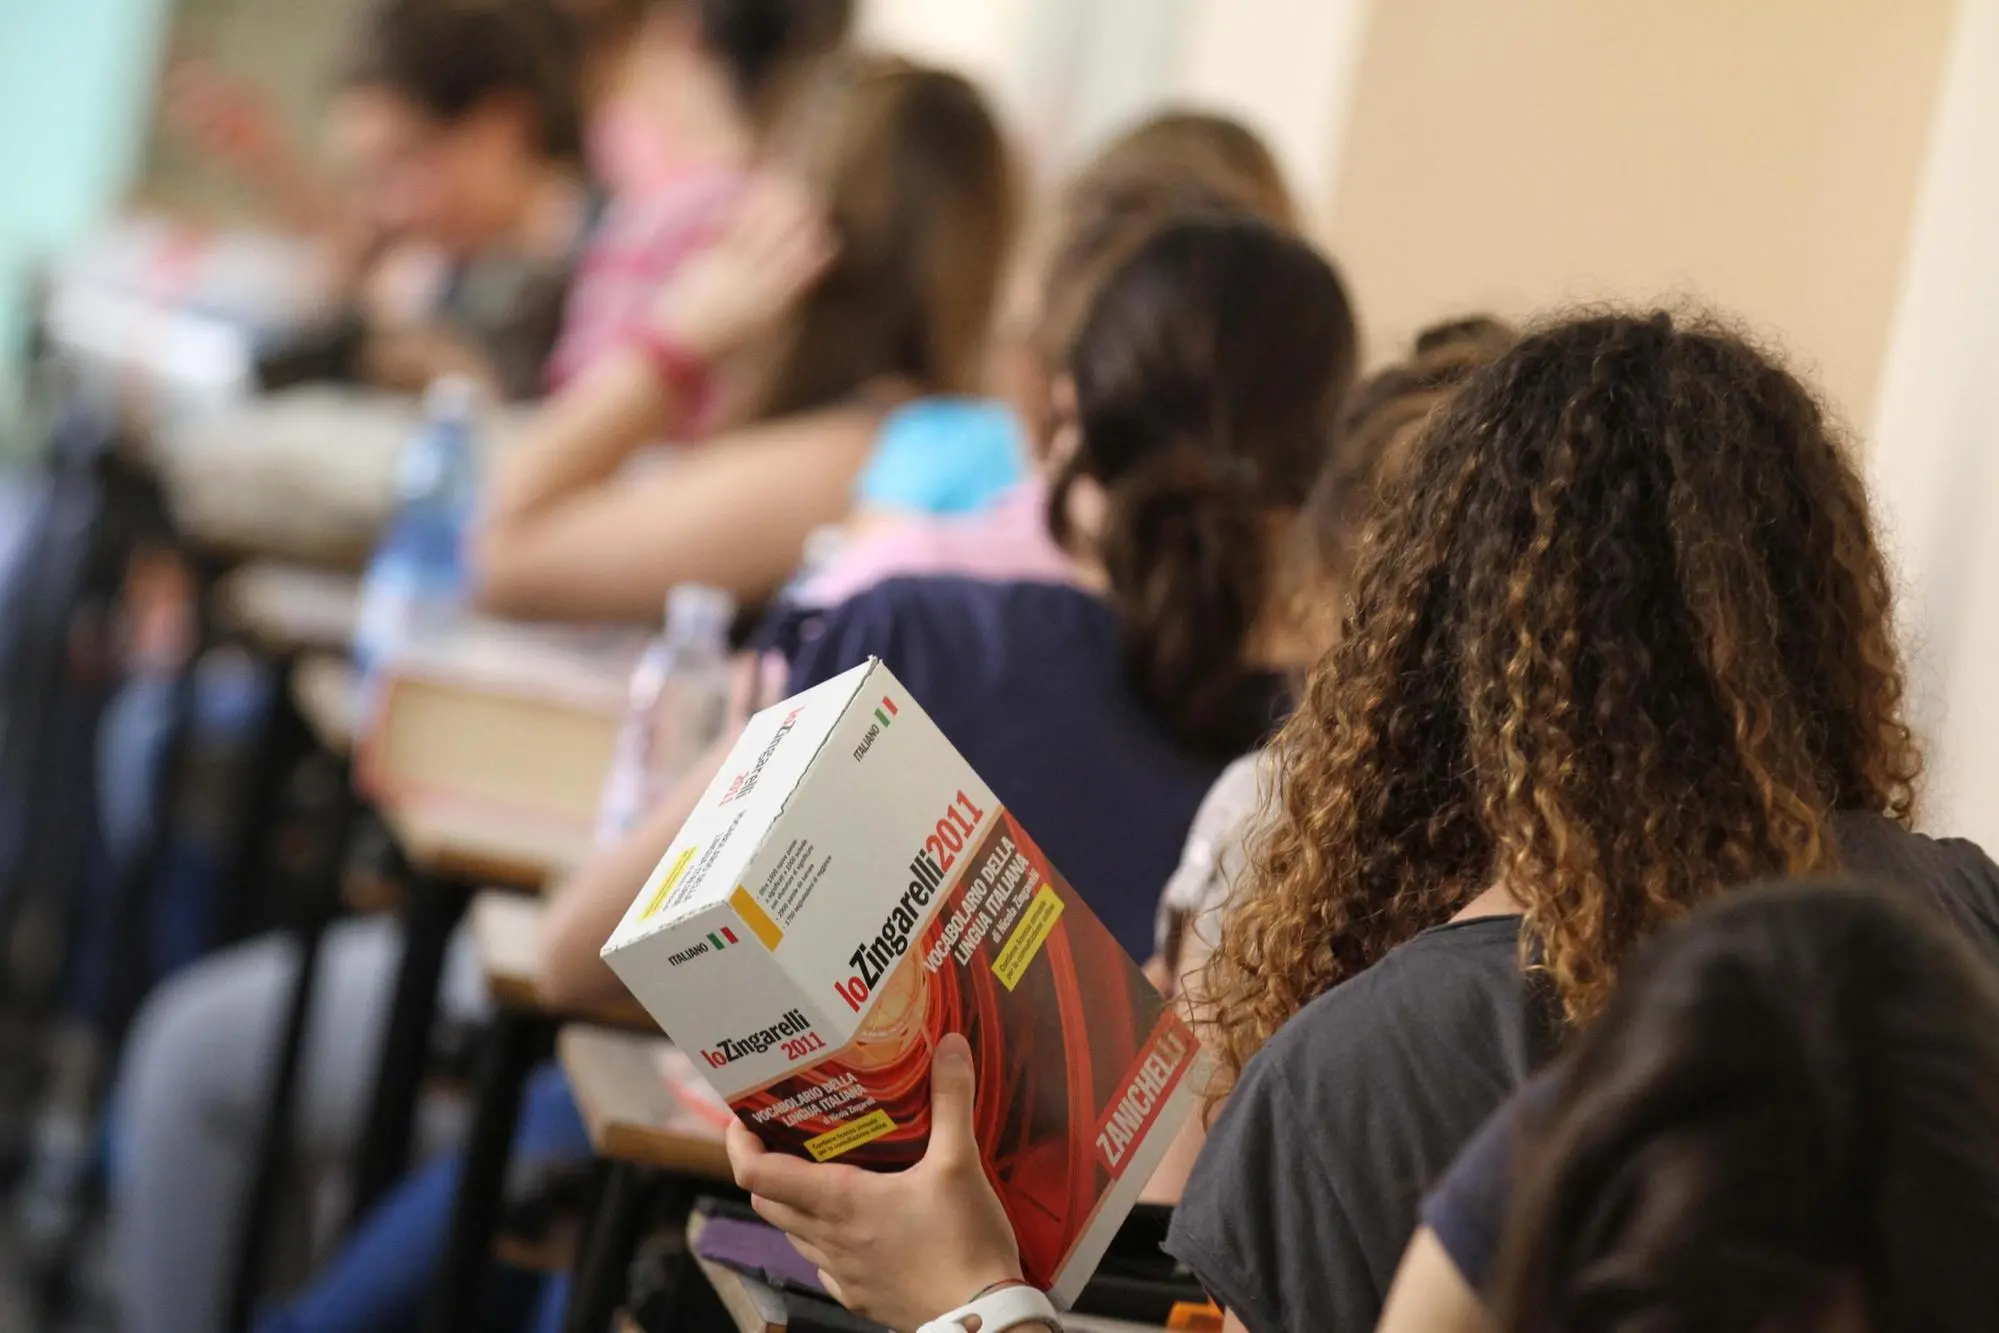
[(899, 1248)]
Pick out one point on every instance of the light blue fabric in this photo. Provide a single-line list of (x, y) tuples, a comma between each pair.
[(943, 456)]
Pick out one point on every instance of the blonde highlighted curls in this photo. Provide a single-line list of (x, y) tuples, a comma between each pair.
[(1620, 638)]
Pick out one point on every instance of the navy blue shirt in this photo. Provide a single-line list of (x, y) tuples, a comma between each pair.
[(1027, 679)]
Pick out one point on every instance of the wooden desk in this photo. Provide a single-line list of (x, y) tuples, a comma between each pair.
[(475, 844), (291, 608), (326, 690), (756, 1308), (633, 1115), (506, 936), (484, 755), (648, 1138)]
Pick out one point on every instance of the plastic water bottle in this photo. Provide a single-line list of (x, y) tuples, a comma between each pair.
[(417, 574), (679, 704)]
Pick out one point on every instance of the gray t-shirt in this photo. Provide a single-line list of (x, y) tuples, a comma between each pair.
[(1309, 1187)]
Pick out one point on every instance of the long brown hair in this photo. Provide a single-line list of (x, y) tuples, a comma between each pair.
[(1619, 638), (1792, 1101), (1207, 378), (920, 188), (1175, 164)]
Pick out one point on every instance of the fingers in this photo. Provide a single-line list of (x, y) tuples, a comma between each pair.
[(802, 1227), (770, 207), (811, 1253), (953, 1103), (774, 206), (744, 1148), (780, 230), (804, 255), (823, 1192)]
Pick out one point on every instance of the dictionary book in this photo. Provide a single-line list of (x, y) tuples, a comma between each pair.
[(848, 892)]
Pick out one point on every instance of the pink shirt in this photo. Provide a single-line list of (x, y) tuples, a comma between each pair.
[(631, 259), (1007, 542)]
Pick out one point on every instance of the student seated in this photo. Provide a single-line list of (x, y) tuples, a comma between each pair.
[(1787, 1117), (686, 97), (437, 94), (1619, 641), (1111, 704), (1380, 419), (455, 205), (780, 353), (198, 1065), (1174, 164), (1113, 699)]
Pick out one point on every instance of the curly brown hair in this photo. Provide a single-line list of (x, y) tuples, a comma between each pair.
[(1379, 419), (1619, 638)]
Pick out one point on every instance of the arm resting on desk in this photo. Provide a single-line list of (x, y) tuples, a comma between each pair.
[(587, 906), (566, 538)]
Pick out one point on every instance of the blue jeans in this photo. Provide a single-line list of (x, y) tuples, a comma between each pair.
[(181, 902), (381, 1279)]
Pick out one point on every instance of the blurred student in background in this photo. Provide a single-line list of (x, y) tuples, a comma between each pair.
[(926, 156), (457, 203), (462, 129), (1786, 1118), (948, 458), (685, 101), (1207, 377), (946, 488), (459, 126), (205, 1043), (1558, 717), (885, 294)]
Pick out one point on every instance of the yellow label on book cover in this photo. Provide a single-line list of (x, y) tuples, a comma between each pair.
[(666, 883), (849, 1136), (1028, 937), (754, 916)]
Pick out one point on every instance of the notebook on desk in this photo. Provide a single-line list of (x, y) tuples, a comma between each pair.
[(1137, 1283)]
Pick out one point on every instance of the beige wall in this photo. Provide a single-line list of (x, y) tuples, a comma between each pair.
[(1759, 154), (1067, 73)]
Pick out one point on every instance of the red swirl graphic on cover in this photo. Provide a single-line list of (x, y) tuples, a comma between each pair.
[(1058, 1056)]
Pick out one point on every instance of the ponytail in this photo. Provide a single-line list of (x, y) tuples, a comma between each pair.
[(1207, 377), (1186, 554)]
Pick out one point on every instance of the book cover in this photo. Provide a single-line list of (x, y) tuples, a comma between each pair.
[(847, 893)]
